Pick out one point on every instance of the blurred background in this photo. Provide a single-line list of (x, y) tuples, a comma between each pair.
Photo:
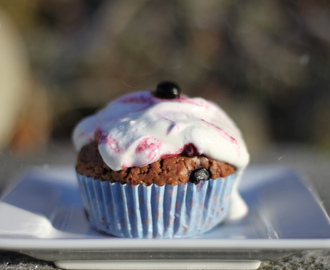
[(265, 62)]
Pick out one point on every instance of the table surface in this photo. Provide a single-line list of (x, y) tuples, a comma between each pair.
[(313, 164)]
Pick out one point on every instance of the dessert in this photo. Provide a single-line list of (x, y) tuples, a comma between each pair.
[(159, 164)]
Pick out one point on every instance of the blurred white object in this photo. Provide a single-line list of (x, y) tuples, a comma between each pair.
[(24, 118), (14, 76)]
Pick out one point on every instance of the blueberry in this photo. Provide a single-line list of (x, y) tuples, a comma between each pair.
[(190, 150), (167, 90), (199, 175)]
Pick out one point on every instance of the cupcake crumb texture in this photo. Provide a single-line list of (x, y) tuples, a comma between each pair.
[(172, 170)]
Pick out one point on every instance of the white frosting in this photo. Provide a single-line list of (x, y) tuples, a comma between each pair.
[(138, 129)]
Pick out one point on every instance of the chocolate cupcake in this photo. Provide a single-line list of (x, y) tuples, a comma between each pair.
[(157, 164)]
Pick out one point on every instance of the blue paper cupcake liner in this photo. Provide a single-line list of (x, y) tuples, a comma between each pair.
[(140, 211)]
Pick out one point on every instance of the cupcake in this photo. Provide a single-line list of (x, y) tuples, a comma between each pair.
[(158, 164)]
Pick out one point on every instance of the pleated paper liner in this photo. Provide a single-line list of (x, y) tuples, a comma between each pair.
[(140, 211)]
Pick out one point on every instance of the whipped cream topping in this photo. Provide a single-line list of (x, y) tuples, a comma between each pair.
[(138, 129)]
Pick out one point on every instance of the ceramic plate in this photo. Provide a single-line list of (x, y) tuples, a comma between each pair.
[(42, 216)]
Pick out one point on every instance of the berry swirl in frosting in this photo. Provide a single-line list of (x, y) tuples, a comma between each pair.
[(140, 128)]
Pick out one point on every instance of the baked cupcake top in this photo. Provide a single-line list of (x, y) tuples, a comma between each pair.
[(140, 128)]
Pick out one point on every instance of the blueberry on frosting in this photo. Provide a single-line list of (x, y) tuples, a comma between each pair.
[(199, 175), (167, 90)]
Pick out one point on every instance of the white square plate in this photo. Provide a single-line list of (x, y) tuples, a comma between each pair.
[(42, 216)]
